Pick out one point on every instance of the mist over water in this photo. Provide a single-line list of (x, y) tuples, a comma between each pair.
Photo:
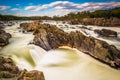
[(64, 63)]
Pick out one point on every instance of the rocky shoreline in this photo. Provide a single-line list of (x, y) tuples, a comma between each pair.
[(9, 71), (112, 22), (50, 37)]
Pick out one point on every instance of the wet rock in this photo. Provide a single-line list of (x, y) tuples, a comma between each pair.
[(106, 33), (29, 26), (31, 75), (7, 68), (9, 71), (4, 38)]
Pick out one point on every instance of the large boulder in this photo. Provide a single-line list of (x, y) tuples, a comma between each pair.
[(106, 33), (31, 75), (29, 26), (4, 38)]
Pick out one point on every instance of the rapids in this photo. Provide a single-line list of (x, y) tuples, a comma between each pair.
[(64, 63)]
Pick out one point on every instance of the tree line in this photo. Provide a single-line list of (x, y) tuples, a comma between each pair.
[(115, 12)]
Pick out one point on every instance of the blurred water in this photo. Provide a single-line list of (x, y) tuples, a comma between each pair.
[(63, 63)]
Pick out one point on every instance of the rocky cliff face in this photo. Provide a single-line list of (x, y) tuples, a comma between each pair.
[(4, 38), (97, 21), (9, 71), (50, 37)]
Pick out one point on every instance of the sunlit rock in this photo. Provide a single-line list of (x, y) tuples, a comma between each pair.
[(31, 75), (50, 37)]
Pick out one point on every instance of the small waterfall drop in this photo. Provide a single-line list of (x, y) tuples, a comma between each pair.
[(63, 63)]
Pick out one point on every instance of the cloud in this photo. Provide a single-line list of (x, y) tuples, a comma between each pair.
[(15, 9), (56, 13), (70, 6), (64, 7), (31, 7), (41, 7), (4, 7)]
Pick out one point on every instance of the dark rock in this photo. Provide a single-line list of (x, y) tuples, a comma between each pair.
[(106, 33), (4, 38), (83, 27), (8, 70)]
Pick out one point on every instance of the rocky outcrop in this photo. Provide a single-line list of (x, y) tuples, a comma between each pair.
[(106, 33), (9, 71), (4, 38), (8, 68), (29, 26), (50, 37), (31, 75), (97, 22)]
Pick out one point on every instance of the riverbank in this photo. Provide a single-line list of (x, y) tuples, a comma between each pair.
[(112, 22)]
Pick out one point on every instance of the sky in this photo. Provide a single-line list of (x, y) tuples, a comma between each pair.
[(53, 7)]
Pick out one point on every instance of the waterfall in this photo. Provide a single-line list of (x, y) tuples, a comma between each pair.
[(64, 63)]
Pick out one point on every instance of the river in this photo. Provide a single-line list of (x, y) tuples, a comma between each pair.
[(64, 63)]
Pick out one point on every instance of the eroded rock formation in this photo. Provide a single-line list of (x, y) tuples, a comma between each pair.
[(4, 38), (9, 71), (31, 75), (29, 27), (50, 37), (7, 68)]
